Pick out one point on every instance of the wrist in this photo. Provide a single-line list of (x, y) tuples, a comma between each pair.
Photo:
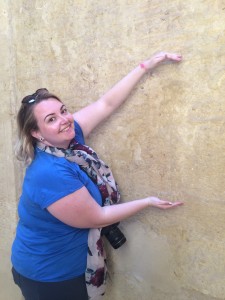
[(143, 66), (148, 201)]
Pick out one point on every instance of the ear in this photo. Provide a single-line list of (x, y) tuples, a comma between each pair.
[(35, 134)]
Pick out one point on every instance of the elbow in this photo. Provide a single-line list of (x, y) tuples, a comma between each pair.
[(100, 219)]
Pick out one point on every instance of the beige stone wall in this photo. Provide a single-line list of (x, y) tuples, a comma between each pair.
[(167, 140)]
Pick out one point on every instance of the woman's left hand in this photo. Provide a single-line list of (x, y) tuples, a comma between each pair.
[(160, 57), (162, 204)]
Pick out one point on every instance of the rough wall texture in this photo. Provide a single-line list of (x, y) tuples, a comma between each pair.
[(167, 140)]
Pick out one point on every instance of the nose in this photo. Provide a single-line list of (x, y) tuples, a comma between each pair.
[(63, 119)]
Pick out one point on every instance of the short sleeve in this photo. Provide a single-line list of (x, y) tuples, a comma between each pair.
[(56, 182), (79, 137)]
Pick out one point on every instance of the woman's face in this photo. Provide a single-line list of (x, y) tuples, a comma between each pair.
[(55, 123)]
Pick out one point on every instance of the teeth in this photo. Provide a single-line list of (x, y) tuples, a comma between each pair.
[(65, 129)]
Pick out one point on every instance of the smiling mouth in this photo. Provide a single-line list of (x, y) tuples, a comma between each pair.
[(66, 128)]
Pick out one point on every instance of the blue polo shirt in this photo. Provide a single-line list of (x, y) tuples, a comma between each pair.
[(46, 249)]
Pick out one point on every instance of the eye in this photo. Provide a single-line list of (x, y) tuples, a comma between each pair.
[(64, 110), (52, 119)]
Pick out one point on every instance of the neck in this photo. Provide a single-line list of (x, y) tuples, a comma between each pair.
[(44, 144)]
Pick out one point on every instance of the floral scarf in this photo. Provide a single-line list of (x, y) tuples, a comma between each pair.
[(101, 175)]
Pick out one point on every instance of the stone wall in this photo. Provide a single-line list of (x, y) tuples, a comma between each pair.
[(167, 140)]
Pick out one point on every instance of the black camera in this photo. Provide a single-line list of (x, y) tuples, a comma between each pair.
[(114, 235)]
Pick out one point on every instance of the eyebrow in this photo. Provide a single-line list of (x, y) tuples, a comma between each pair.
[(54, 113)]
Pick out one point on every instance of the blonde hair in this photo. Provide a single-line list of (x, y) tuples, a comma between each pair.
[(26, 122)]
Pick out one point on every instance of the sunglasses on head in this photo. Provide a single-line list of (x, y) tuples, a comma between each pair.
[(30, 99)]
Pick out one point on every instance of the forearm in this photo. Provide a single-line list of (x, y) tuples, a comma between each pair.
[(109, 102), (116, 96), (115, 213), (121, 90)]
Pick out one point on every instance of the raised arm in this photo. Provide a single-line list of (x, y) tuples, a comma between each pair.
[(90, 116)]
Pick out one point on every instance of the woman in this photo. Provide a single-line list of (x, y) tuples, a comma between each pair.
[(67, 194)]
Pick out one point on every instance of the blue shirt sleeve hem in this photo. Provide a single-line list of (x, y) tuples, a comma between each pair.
[(60, 196)]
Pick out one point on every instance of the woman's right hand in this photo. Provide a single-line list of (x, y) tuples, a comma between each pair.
[(162, 204)]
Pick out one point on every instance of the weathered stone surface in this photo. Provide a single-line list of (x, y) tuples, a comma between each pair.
[(167, 140)]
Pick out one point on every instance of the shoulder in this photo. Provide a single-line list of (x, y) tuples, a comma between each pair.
[(79, 136), (50, 178), (46, 167)]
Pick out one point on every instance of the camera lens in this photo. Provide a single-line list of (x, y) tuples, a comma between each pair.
[(113, 234)]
